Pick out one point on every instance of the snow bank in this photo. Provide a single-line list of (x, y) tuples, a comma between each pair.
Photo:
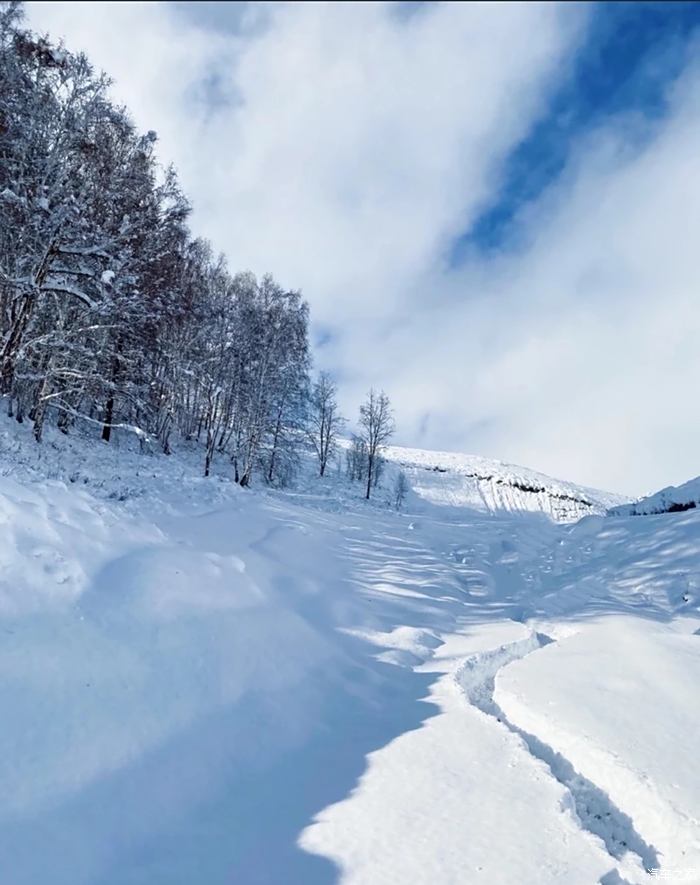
[(613, 701)]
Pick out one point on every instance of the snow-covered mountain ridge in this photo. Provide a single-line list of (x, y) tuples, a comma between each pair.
[(479, 483), (672, 499)]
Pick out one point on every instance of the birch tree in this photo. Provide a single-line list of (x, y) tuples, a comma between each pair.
[(376, 428), (112, 315), (325, 423)]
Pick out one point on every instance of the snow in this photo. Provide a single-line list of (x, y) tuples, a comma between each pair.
[(669, 500), (633, 730), (490, 485), (58, 285), (454, 802), (7, 195), (59, 55), (205, 684)]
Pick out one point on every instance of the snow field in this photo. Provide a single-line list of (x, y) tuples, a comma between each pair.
[(200, 684)]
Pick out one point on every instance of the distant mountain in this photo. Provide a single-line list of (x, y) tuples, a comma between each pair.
[(672, 499)]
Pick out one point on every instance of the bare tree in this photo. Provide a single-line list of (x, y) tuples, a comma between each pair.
[(400, 490), (356, 459), (377, 426), (325, 421)]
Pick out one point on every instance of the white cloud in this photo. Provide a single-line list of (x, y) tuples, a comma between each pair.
[(595, 376), (356, 142), (343, 147)]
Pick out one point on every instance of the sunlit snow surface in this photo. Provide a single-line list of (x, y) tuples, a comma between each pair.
[(493, 486), (674, 499), (201, 685)]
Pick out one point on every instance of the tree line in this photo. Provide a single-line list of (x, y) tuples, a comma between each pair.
[(113, 315)]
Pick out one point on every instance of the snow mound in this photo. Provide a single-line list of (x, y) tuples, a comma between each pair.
[(460, 480)]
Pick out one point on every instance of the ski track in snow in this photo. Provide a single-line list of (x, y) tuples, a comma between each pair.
[(593, 809)]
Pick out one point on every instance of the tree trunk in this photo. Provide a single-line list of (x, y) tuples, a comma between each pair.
[(165, 434), (12, 345), (109, 419), (39, 410), (275, 441), (211, 440), (39, 423), (63, 422), (109, 406)]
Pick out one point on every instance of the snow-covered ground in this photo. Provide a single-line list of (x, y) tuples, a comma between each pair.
[(200, 684)]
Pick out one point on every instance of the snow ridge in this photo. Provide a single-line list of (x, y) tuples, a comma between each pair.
[(672, 499), (487, 484), (592, 807)]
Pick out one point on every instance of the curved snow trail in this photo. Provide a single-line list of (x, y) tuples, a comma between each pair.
[(593, 809)]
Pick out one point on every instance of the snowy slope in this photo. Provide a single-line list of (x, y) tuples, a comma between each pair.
[(673, 499), (204, 685), (578, 655), (486, 484)]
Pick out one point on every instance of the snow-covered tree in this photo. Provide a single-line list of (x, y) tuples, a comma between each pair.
[(111, 314), (356, 459), (325, 422), (400, 490), (377, 427)]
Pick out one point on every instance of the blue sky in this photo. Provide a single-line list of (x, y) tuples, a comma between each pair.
[(629, 54), (492, 209)]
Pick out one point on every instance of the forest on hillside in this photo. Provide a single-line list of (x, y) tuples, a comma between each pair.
[(113, 315)]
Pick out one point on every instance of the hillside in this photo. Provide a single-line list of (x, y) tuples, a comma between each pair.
[(673, 499), (202, 683), (490, 485)]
